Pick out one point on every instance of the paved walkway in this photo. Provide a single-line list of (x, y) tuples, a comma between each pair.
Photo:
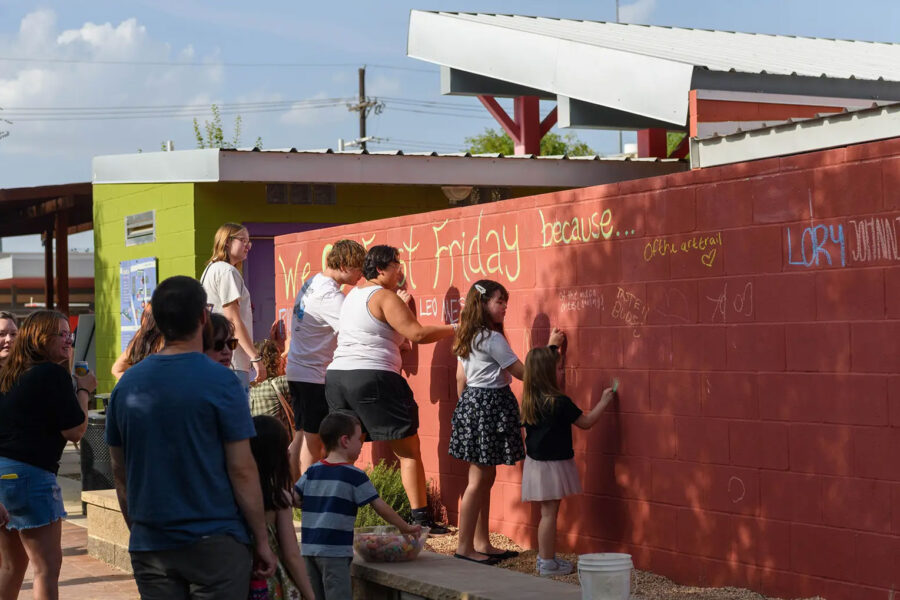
[(82, 577)]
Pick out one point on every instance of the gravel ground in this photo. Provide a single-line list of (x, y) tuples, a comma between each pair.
[(644, 584)]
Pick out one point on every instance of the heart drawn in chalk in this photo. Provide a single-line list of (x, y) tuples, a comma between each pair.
[(708, 258)]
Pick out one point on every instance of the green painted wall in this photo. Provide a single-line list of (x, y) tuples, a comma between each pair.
[(173, 248)]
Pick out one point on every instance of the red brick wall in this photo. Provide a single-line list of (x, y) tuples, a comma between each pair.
[(752, 315)]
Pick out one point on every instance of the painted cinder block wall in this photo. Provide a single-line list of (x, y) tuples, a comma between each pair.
[(752, 314)]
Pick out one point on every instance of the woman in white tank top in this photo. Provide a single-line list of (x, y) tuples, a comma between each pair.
[(365, 378)]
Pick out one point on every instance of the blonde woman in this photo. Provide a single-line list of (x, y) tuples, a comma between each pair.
[(226, 291)]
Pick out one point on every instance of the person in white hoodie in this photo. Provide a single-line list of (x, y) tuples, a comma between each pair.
[(314, 327)]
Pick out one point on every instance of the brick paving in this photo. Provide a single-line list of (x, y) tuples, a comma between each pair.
[(83, 577)]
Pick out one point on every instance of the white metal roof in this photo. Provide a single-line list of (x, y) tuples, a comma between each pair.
[(716, 50), (361, 167), (798, 135), (643, 70)]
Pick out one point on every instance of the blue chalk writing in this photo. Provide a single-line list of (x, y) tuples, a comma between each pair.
[(818, 243)]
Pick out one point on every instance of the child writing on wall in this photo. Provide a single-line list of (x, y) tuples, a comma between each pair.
[(550, 474), (270, 449), (485, 429), (330, 493)]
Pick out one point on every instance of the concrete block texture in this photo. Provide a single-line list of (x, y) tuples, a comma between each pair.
[(751, 314)]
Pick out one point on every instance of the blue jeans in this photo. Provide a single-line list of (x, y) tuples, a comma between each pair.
[(30, 494)]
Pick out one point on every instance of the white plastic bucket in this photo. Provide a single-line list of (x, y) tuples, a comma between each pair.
[(605, 576)]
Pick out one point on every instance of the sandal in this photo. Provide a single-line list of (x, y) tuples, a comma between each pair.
[(502, 555), (490, 560)]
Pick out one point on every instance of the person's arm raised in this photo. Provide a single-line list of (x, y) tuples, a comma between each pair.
[(400, 317), (586, 421)]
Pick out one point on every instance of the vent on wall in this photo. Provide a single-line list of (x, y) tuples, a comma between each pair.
[(301, 193), (140, 228)]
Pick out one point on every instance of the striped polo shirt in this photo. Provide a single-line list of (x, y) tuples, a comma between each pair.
[(330, 495)]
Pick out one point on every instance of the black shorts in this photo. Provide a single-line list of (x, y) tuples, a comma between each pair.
[(309, 404), (381, 399)]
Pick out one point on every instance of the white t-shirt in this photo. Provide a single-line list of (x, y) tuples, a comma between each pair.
[(315, 324), (488, 359), (223, 284)]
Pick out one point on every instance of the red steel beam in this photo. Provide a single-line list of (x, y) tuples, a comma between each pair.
[(508, 125)]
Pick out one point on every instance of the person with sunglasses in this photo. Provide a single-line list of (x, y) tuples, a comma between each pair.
[(220, 342), (40, 411), (226, 290), (8, 331)]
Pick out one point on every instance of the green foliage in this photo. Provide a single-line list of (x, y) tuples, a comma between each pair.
[(673, 139), (389, 486), (215, 136), (552, 144)]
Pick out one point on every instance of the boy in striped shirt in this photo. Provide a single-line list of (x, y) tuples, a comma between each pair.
[(330, 492)]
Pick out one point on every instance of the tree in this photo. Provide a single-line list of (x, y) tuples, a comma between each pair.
[(215, 136), (552, 144)]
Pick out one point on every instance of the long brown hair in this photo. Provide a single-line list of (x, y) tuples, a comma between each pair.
[(149, 339), (270, 449), (30, 346), (540, 388), (474, 318), (224, 235)]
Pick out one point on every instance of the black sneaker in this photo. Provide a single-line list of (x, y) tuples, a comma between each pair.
[(433, 528)]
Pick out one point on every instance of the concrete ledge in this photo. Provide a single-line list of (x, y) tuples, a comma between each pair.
[(107, 533), (439, 577)]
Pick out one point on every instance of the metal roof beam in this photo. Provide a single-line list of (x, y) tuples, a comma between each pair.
[(461, 83), (768, 83), (584, 115)]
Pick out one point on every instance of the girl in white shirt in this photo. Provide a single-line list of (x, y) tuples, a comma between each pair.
[(227, 292), (485, 429)]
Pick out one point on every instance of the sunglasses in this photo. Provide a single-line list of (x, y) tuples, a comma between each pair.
[(219, 345)]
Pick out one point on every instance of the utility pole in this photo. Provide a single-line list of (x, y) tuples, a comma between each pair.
[(363, 106)]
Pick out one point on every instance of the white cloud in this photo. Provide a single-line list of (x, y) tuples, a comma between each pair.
[(637, 12), (29, 85), (302, 114)]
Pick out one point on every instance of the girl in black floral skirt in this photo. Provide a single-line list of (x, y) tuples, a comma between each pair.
[(485, 430)]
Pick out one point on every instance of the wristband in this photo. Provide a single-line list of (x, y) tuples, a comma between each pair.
[(257, 359), (81, 389)]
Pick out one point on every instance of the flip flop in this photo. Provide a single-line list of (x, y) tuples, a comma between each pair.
[(502, 555), (490, 560)]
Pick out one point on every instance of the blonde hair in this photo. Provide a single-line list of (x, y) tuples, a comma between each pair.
[(474, 318), (540, 388), (30, 347), (224, 235), (346, 254)]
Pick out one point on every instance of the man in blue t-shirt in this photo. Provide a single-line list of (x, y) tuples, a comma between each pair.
[(178, 427)]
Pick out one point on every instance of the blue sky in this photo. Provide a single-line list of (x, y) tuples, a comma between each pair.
[(348, 33)]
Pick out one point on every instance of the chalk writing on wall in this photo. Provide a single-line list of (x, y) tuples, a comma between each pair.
[(447, 310), (876, 239), (704, 245), (577, 229), (675, 306), (817, 245), (740, 303), (630, 309), (580, 299), (450, 251), (292, 279)]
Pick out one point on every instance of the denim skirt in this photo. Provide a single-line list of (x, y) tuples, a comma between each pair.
[(30, 494)]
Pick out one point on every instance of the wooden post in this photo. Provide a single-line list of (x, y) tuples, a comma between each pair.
[(48, 266), (62, 261)]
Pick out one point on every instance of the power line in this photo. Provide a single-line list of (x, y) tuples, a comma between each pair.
[(162, 63)]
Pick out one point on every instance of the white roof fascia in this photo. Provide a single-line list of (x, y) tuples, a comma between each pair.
[(656, 87), (386, 169), (799, 136), (186, 166), (430, 170), (766, 98)]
